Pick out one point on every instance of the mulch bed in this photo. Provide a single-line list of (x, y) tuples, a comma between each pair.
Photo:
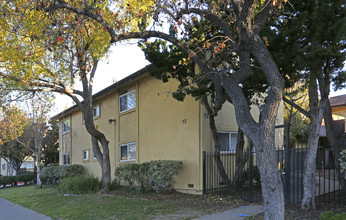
[(294, 212)]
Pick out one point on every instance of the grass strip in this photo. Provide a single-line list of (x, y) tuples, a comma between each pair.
[(49, 202)]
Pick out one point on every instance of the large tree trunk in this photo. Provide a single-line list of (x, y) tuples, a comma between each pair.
[(241, 158), (333, 141), (96, 135), (216, 140), (316, 113), (38, 147), (272, 189), (262, 134), (104, 161), (309, 178)]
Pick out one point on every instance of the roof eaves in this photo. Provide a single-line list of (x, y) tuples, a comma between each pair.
[(103, 92)]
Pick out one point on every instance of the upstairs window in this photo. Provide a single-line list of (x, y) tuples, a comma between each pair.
[(96, 113), (228, 142), (127, 101), (66, 126)]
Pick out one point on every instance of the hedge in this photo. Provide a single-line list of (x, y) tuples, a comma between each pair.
[(54, 174), (7, 180), (156, 173), (25, 177)]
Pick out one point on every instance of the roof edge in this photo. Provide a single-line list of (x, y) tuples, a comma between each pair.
[(103, 91)]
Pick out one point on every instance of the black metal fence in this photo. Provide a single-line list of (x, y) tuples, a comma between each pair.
[(291, 166)]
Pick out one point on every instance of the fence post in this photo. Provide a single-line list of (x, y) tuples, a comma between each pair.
[(204, 172), (251, 175), (287, 164)]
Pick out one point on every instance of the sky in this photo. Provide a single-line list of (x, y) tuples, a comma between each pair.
[(124, 60)]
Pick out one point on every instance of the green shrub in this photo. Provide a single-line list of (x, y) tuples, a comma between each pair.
[(80, 184), (343, 162), (71, 170), (54, 174), (50, 174), (330, 216), (128, 172), (161, 172), (158, 172), (255, 174), (7, 180), (25, 177)]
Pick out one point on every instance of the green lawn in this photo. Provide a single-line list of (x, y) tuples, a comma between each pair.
[(49, 202)]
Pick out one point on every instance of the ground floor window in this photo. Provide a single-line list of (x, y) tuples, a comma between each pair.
[(128, 151), (228, 141), (66, 159)]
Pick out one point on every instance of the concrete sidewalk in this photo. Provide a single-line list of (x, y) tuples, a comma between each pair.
[(11, 211), (238, 213)]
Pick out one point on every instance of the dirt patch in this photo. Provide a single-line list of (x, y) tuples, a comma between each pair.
[(186, 206), (294, 212), (192, 206)]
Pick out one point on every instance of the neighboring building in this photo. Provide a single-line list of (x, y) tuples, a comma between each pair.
[(28, 164), (143, 122), (325, 155), (6, 168), (338, 105)]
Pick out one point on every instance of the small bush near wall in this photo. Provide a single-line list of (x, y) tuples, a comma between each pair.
[(71, 170), (50, 174), (159, 173), (53, 174), (27, 177), (128, 172), (81, 184)]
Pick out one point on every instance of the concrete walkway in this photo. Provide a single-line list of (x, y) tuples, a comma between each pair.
[(239, 213), (11, 211)]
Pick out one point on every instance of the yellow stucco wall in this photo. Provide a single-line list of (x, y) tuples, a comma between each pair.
[(169, 130), (162, 128)]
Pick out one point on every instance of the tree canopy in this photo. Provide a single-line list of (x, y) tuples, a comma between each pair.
[(236, 35)]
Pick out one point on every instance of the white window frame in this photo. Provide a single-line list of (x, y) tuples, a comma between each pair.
[(64, 128), (85, 155), (126, 94), (229, 141), (127, 144), (94, 116), (63, 159), (97, 108)]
